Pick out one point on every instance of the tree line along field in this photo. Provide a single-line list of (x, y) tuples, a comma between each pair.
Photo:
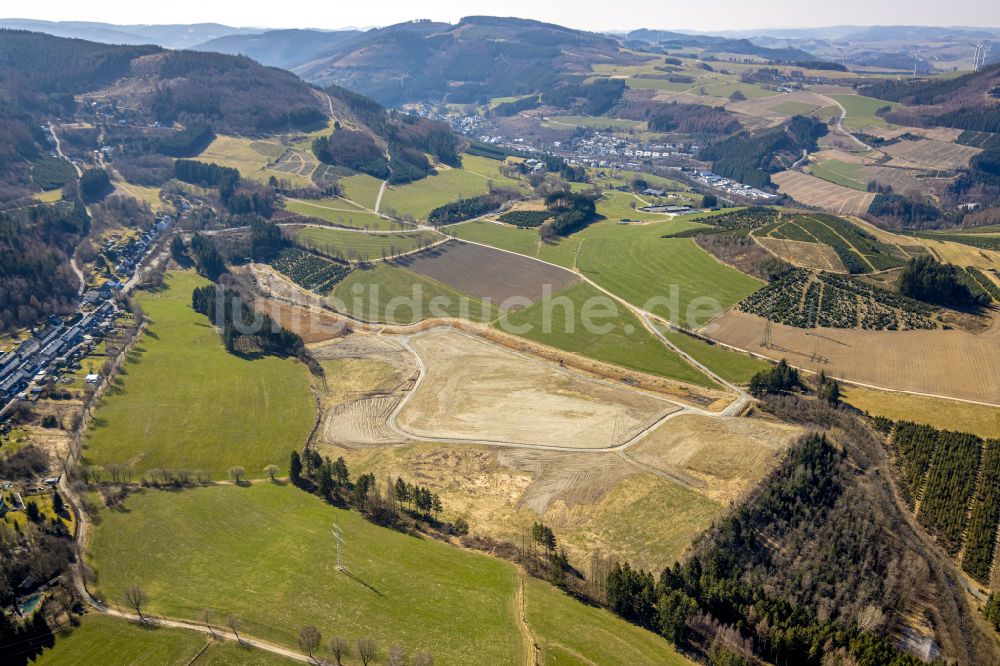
[(216, 547), (859, 251), (183, 401), (807, 300), (986, 241), (952, 481)]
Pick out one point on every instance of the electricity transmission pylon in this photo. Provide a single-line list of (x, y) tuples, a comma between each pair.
[(338, 536)]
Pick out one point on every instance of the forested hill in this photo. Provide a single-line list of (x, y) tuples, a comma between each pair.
[(478, 56), (42, 78), (40, 74), (677, 40), (970, 102), (280, 48)]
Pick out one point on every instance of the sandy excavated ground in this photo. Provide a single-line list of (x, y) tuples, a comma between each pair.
[(952, 363), (363, 389), (801, 253), (728, 456), (473, 390)]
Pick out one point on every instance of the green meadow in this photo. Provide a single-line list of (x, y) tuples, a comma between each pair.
[(358, 246), (221, 547), (183, 401)]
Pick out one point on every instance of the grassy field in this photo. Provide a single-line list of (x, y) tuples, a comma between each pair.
[(842, 173), (730, 365), (100, 641), (634, 262), (342, 213), (644, 83), (361, 246), (386, 293), (626, 342), (184, 402), (567, 631), (615, 205), (672, 277), (362, 189), (944, 414), (861, 110), (107, 641), (750, 90), (419, 198), (51, 196), (795, 108), (522, 241), (250, 158), (217, 547), (594, 122)]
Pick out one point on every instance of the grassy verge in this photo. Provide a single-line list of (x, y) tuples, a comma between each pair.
[(730, 365)]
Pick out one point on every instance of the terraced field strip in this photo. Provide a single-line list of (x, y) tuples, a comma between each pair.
[(823, 194), (934, 363)]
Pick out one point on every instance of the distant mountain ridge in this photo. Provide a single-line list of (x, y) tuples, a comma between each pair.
[(479, 55), (720, 44), (171, 36), (279, 48)]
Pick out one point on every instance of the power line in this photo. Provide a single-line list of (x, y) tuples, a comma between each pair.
[(338, 536)]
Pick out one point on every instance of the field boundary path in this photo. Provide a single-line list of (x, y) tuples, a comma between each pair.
[(532, 655), (378, 199)]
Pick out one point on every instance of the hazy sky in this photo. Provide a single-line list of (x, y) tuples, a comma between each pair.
[(584, 14)]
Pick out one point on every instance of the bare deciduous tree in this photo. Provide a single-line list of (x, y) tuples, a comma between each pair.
[(423, 659), (338, 648), (309, 639), (367, 650), (206, 617), (271, 471), (136, 598), (237, 475), (397, 656), (234, 623)]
